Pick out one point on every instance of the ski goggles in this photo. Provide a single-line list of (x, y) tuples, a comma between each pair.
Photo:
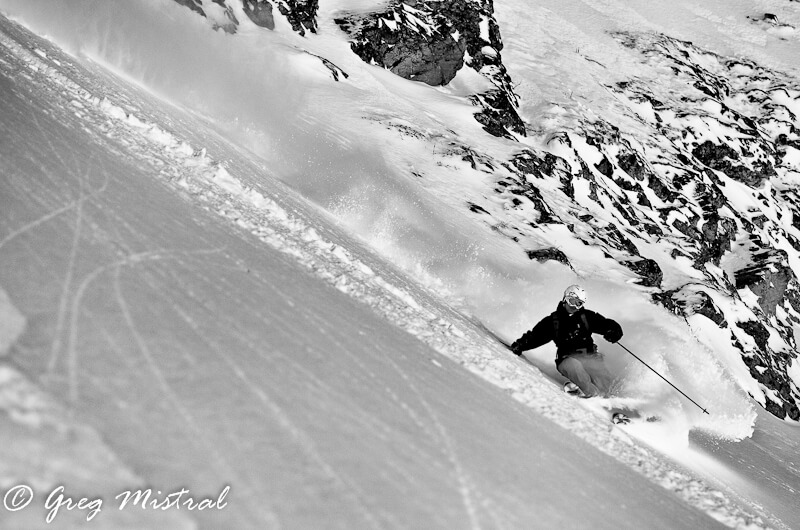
[(574, 301)]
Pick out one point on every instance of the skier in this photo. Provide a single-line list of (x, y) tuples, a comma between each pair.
[(571, 326)]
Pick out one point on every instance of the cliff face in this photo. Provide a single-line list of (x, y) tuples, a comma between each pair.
[(714, 179), (710, 172), (431, 41)]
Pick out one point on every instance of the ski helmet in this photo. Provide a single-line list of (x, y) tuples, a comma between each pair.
[(575, 296)]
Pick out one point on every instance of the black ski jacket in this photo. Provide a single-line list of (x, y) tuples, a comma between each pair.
[(571, 333)]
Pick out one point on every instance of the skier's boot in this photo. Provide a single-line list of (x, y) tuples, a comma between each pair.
[(620, 418), (573, 389)]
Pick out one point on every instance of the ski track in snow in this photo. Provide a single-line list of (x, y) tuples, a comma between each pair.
[(76, 240), (465, 485), (302, 438), (53, 214), (196, 175), (198, 432)]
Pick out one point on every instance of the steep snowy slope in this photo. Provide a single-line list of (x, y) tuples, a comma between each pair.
[(494, 219), (188, 321), (666, 141)]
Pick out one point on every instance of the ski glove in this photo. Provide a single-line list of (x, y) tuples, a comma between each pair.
[(613, 335), (516, 349)]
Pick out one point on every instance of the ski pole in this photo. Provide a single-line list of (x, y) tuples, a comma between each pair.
[(662, 377)]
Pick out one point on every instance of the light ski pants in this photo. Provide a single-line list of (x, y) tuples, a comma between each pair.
[(589, 372)]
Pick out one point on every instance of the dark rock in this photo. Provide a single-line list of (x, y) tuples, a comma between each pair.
[(717, 235), (627, 185), (711, 154), (722, 158), (653, 229), (498, 115), (301, 14), (775, 409), (688, 301), (232, 24), (681, 180), (660, 189), (477, 209), (774, 379), (687, 229), (530, 163), (194, 5), (710, 199), (260, 12), (642, 200), (649, 271), (430, 55), (567, 186), (605, 168), (760, 220), (666, 300), (614, 237), (429, 41), (756, 330), (336, 72), (705, 306), (546, 215), (631, 164), (547, 254), (768, 277), (413, 57)]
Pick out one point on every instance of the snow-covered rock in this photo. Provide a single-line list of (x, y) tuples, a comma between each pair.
[(431, 41), (301, 14)]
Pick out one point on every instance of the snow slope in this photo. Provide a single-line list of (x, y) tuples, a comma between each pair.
[(207, 358), (203, 319)]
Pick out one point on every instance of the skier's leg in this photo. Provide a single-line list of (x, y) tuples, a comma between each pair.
[(573, 369), (596, 367)]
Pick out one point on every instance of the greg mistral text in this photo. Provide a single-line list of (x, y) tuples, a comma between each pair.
[(23, 497)]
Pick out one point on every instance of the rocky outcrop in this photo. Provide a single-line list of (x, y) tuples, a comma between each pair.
[(648, 270), (547, 254), (301, 14), (713, 182), (260, 12), (194, 5), (227, 23), (691, 300), (498, 115), (768, 276), (431, 41), (739, 141), (412, 44), (723, 158)]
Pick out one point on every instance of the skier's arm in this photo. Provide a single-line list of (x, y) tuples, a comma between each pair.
[(541, 334), (609, 329)]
